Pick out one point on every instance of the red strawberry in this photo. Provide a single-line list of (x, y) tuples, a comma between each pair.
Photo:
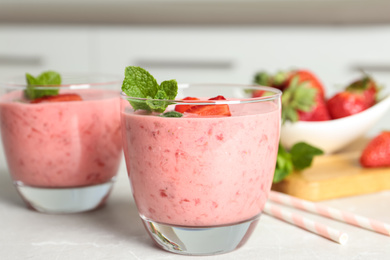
[(304, 77), (377, 151), (264, 79), (368, 86), (319, 112), (211, 110), (184, 108), (57, 98), (356, 98), (218, 98), (258, 93), (346, 103), (303, 98)]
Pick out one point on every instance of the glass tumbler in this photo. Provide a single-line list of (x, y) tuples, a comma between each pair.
[(200, 181), (63, 156)]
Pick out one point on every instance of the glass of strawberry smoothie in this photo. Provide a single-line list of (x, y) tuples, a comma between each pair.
[(200, 181), (63, 151)]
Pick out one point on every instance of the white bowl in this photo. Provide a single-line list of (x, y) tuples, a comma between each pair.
[(333, 135)]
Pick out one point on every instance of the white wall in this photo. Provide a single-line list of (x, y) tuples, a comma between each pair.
[(199, 54)]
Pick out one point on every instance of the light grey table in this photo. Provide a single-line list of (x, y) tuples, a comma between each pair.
[(116, 232)]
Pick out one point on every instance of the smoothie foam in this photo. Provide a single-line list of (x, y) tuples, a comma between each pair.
[(62, 144), (202, 171)]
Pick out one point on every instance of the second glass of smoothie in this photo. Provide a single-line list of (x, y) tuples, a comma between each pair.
[(200, 181), (62, 155)]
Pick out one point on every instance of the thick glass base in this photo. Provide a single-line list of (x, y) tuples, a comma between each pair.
[(65, 200), (200, 240)]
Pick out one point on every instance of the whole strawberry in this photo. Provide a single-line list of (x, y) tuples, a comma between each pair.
[(304, 76), (303, 98), (377, 151), (356, 98), (368, 87), (346, 103)]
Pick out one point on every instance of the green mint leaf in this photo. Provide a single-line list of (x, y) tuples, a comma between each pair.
[(141, 84), (31, 80), (49, 78), (172, 114), (46, 78), (302, 155), (284, 165), (156, 105), (170, 88)]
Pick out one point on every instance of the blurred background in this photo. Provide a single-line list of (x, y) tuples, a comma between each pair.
[(197, 40)]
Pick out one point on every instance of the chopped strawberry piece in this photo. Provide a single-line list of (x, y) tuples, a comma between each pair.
[(57, 98), (184, 108), (218, 98), (211, 110), (205, 110)]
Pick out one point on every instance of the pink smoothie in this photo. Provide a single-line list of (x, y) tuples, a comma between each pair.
[(62, 144), (202, 171)]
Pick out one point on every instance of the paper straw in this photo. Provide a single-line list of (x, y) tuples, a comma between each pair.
[(329, 212), (305, 223)]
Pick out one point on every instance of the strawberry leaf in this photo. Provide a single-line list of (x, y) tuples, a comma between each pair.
[(298, 96)]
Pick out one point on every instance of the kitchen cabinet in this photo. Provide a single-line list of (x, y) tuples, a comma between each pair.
[(198, 54), (36, 48), (228, 54)]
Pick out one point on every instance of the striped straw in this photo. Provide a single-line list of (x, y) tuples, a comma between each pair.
[(329, 212), (305, 223)]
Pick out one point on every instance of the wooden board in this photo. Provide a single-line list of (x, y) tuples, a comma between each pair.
[(334, 176)]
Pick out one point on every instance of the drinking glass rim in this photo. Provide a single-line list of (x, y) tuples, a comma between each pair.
[(110, 79), (276, 95)]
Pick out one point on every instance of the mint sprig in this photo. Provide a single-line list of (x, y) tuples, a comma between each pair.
[(46, 78), (298, 158), (139, 83)]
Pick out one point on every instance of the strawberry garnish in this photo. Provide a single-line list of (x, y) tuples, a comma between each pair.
[(218, 98), (184, 108), (57, 98), (377, 151), (207, 110)]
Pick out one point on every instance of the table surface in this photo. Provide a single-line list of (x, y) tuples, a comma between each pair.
[(116, 232)]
